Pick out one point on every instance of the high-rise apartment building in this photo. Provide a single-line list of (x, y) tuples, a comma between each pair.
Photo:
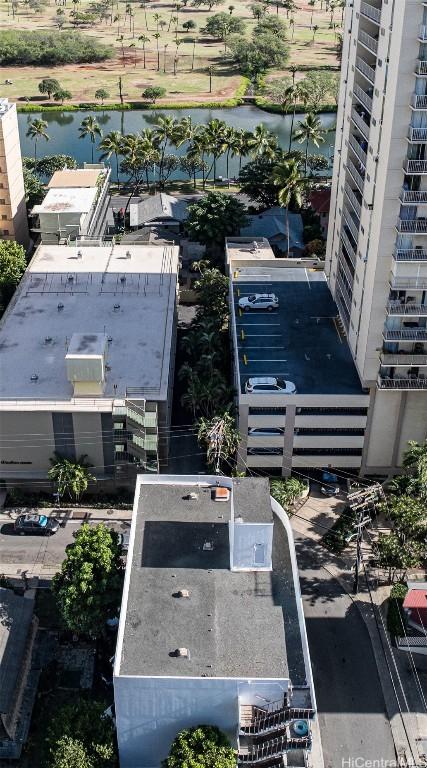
[(376, 259), (13, 211)]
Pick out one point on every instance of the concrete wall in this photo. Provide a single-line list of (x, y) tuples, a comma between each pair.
[(13, 211), (151, 711)]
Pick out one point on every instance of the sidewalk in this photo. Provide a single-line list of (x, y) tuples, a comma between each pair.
[(68, 514), (409, 729)]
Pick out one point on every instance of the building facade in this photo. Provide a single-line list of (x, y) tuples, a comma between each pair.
[(376, 260), (13, 210), (211, 625), (87, 356)]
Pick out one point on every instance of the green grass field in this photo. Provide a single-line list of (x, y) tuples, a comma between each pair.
[(191, 81)]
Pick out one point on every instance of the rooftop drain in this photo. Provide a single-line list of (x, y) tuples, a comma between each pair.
[(34, 377), (182, 593)]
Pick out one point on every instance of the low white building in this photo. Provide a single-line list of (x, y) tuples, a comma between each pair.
[(75, 205), (211, 625), (322, 424), (87, 350)]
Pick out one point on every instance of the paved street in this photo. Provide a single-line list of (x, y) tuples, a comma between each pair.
[(351, 707), (36, 553)]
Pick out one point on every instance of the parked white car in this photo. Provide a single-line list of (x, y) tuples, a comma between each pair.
[(264, 385), (268, 301)]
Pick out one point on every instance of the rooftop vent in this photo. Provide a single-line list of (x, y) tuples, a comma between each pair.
[(208, 546), (60, 307), (48, 340), (79, 255), (70, 278), (116, 307), (183, 593), (123, 279), (108, 367), (191, 496), (220, 493), (128, 254), (34, 377), (183, 653), (110, 339)]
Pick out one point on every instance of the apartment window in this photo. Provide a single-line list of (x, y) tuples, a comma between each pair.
[(4, 216), (5, 231), (331, 411), (2, 202), (267, 411)]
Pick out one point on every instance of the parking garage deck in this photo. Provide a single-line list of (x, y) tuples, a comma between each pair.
[(302, 341)]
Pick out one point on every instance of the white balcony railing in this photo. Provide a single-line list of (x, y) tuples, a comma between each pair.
[(345, 293), (351, 224), (419, 101), (415, 166), (370, 12), (393, 360), (405, 334), (412, 283), (417, 135), (357, 149), (412, 226), (397, 308), (413, 197), (365, 69), (354, 202), (362, 96), (363, 126), (422, 33), (368, 41), (421, 68), (355, 175), (409, 382), (349, 248), (342, 264)]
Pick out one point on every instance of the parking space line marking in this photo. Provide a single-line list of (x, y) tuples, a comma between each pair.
[(253, 324), (263, 335), (268, 360), (262, 347)]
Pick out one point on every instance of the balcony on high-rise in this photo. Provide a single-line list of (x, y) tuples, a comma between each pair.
[(422, 33), (413, 196), (417, 135), (352, 222), (359, 146), (410, 379), (419, 101), (367, 69), (354, 198), (368, 41), (408, 283), (416, 226), (421, 67), (404, 308), (408, 331), (410, 254), (361, 119), (371, 10), (357, 174), (364, 95), (416, 167)]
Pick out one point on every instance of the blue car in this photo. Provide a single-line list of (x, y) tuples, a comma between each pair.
[(38, 525)]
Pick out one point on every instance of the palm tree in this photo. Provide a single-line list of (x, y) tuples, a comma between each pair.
[(315, 29), (157, 37), (143, 39), (156, 18), (215, 132), (36, 131), (286, 175), (144, 6), (229, 138), (262, 143), (309, 130), (90, 127), (240, 145), (166, 130), (112, 144)]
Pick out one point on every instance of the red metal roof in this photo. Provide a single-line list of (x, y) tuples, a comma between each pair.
[(416, 598), (320, 200)]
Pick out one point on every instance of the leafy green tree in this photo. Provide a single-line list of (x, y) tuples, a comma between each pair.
[(72, 477), (262, 143), (290, 185), (213, 218), (317, 163), (415, 461), (70, 753), (44, 48), (222, 25), (154, 92), (189, 25), (12, 267), (34, 189), (309, 131), (191, 165), (202, 747), (320, 86), (37, 130), (79, 730), (49, 85), (257, 182), (254, 57), (271, 25), (220, 438), (286, 491), (409, 516), (48, 164), (397, 558), (61, 94), (212, 296), (91, 128), (101, 94), (89, 585)]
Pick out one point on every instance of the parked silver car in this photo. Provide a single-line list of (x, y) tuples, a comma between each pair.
[(264, 385), (268, 301)]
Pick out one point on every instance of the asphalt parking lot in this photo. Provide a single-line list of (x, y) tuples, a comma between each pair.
[(301, 341)]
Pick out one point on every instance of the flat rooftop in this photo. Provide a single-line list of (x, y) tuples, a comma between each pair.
[(301, 341), (235, 624), (78, 177), (67, 200), (242, 248), (125, 292)]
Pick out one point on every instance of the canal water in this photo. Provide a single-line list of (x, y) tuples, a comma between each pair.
[(64, 134)]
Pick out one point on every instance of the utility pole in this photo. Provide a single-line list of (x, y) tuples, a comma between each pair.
[(363, 503), (210, 79)]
